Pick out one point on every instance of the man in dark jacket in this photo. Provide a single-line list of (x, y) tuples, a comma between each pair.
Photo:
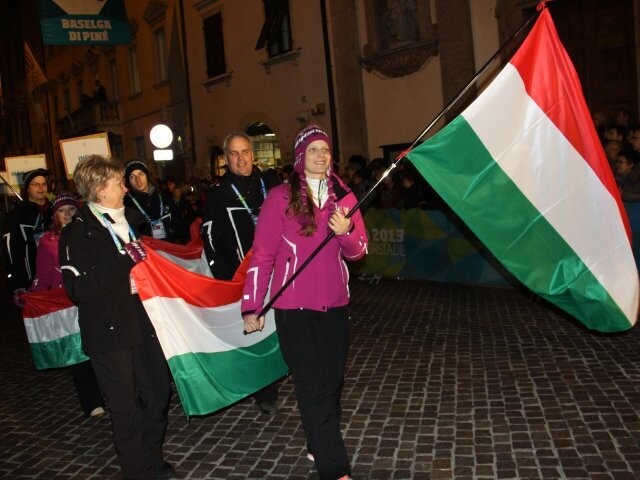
[(25, 226), (228, 226), (159, 211)]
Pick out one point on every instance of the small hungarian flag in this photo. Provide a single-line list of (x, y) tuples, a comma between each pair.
[(523, 167), (199, 325), (51, 323)]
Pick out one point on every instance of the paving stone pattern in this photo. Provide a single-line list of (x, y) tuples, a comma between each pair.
[(442, 382)]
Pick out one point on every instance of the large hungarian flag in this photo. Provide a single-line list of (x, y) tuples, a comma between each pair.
[(524, 169), (197, 320)]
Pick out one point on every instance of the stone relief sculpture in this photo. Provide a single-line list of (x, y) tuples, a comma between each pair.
[(400, 22), (401, 37)]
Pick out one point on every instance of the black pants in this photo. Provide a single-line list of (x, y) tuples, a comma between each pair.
[(87, 386), (314, 345), (136, 383)]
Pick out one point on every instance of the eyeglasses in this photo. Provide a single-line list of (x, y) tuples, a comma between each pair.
[(317, 151)]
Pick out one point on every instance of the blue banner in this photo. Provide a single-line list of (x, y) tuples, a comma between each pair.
[(431, 245), (84, 22)]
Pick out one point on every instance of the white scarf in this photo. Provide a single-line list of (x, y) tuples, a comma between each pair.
[(319, 190), (121, 226)]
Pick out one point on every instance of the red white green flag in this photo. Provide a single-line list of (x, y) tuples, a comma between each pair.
[(523, 167), (197, 320), (199, 325)]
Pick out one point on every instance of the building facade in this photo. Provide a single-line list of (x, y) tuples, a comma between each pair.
[(373, 73)]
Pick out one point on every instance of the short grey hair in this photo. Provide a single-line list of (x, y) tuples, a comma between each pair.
[(231, 136), (92, 174)]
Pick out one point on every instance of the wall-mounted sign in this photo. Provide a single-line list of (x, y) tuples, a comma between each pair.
[(84, 22)]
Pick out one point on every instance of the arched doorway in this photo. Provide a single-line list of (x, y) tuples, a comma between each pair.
[(265, 145)]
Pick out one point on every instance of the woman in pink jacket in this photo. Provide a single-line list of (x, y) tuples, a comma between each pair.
[(48, 276), (311, 314)]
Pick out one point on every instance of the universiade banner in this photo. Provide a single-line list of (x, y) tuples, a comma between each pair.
[(425, 245), (198, 323)]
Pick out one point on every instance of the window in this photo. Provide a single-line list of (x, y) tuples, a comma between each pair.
[(141, 149), (214, 45), (161, 61), (113, 79), (276, 30), (134, 73)]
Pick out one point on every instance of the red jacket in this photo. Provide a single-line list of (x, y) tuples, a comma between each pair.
[(279, 248)]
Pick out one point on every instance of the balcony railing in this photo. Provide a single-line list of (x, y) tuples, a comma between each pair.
[(91, 117)]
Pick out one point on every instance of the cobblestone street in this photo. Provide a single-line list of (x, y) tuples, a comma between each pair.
[(443, 382)]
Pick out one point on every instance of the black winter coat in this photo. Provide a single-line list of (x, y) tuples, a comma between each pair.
[(227, 228), (25, 224), (96, 277), (157, 206)]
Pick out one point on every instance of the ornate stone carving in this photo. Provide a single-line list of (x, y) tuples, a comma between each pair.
[(155, 12), (400, 36), (401, 61)]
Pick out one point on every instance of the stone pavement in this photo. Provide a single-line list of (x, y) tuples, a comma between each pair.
[(442, 382)]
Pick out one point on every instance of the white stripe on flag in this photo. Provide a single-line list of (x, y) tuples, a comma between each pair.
[(197, 266), (184, 328), (52, 326), (524, 142)]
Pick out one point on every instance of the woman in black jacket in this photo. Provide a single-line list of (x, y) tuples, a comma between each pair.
[(97, 252)]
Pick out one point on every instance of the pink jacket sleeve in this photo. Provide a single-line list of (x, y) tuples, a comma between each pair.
[(354, 242), (266, 244)]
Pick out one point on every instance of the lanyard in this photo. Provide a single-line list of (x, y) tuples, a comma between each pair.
[(142, 211), (37, 223), (114, 237), (254, 218)]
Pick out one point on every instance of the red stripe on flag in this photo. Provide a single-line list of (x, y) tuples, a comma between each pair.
[(552, 82), (159, 277), (38, 304), (190, 251)]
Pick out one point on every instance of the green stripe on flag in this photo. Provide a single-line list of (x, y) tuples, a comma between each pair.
[(207, 382), (58, 353), (457, 164)]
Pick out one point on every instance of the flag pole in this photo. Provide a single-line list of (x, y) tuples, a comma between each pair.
[(10, 187), (403, 155)]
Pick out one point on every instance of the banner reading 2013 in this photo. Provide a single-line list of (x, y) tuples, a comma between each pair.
[(84, 22)]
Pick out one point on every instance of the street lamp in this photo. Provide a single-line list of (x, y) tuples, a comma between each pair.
[(161, 137)]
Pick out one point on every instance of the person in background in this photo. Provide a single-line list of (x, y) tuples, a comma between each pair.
[(160, 212), (99, 93), (627, 175), (228, 225), (49, 276), (26, 224), (311, 314), (97, 252)]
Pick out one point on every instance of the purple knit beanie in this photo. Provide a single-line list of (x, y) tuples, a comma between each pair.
[(309, 134), (62, 199)]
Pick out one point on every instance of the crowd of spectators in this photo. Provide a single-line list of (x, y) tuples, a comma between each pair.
[(620, 137)]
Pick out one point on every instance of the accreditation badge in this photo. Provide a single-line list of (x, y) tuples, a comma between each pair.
[(157, 229)]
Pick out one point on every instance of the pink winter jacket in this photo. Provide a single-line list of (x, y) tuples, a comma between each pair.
[(48, 274), (279, 248)]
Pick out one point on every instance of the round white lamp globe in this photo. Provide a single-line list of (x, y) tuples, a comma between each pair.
[(161, 136)]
